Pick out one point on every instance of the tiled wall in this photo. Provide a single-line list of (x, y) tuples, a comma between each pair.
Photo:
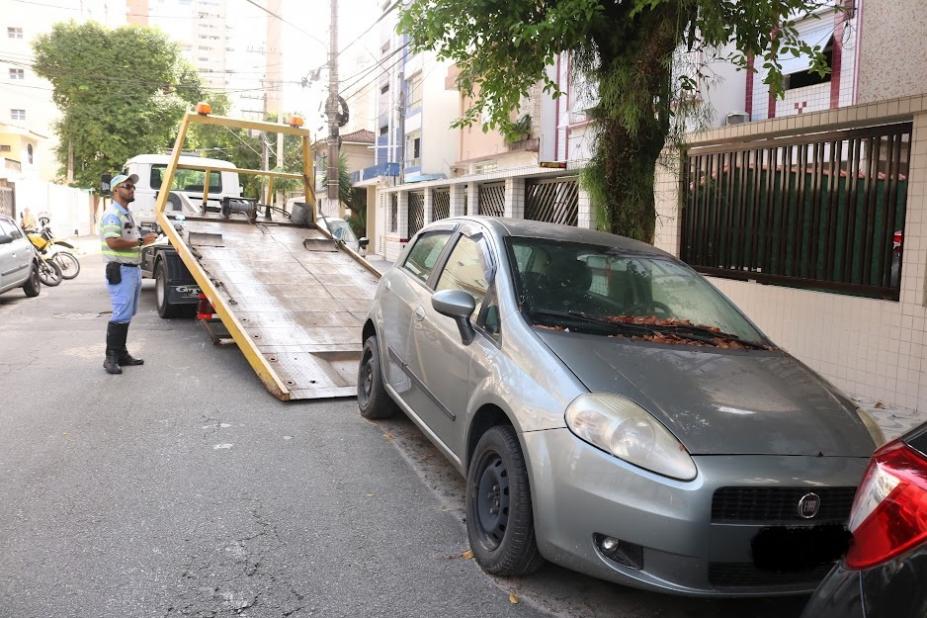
[(872, 349)]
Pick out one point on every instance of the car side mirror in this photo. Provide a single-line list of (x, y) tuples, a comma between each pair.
[(5, 239), (459, 306), (363, 242)]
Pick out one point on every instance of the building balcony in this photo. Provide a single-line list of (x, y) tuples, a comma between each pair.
[(380, 169)]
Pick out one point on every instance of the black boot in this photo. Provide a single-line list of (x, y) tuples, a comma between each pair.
[(126, 359), (111, 364)]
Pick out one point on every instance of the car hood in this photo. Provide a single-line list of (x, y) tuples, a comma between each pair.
[(721, 402)]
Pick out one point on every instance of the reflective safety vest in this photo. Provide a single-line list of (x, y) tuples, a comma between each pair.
[(117, 222)]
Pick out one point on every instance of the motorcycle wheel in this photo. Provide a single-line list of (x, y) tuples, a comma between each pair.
[(68, 264), (49, 273)]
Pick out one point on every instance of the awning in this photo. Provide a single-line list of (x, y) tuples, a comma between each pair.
[(815, 34)]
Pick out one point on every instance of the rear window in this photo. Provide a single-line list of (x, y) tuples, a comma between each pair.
[(9, 228), (190, 181)]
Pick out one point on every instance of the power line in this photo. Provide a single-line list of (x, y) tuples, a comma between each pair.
[(290, 24), (371, 26)]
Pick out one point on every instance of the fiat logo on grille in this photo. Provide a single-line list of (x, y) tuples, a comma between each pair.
[(809, 505)]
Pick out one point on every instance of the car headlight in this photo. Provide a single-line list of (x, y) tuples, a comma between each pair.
[(622, 428), (874, 430)]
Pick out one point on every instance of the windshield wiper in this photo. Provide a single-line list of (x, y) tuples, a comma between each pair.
[(708, 334), (587, 320)]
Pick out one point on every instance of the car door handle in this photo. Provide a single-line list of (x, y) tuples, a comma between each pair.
[(419, 314)]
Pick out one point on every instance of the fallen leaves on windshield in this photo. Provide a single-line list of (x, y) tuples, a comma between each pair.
[(672, 338)]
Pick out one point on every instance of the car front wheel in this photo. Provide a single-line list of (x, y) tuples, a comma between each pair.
[(500, 521)]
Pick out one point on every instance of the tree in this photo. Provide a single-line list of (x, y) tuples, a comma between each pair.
[(121, 93), (626, 49)]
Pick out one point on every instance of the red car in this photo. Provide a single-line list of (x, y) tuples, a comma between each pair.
[(885, 570)]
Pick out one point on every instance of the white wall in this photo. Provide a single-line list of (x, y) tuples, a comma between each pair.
[(440, 107), (68, 208)]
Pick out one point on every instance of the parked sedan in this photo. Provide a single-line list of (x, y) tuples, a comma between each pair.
[(612, 412), (884, 573), (18, 261)]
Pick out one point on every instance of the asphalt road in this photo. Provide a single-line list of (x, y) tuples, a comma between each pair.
[(182, 488)]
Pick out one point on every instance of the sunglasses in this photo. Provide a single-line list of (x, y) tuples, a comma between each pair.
[(127, 187)]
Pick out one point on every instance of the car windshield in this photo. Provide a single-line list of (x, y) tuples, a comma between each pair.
[(601, 290), (340, 230)]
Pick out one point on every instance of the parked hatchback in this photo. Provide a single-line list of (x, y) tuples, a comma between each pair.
[(18, 261), (612, 412), (884, 573)]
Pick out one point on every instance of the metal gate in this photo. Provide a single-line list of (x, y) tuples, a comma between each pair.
[(823, 211), (7, 201), (492, 199), (555, 200), (416, 219), (440, 203)]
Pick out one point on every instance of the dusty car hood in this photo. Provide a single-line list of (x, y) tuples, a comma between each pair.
[(720, 401)]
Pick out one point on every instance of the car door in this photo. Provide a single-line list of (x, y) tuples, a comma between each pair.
[(402, 290), (438, 357), (15, 257)]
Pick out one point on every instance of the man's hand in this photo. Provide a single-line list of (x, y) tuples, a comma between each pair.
[(149, 238)]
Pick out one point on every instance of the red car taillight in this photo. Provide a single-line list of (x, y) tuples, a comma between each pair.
[(889, 513)]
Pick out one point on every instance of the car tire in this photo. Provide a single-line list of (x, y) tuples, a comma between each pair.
[(500, 519), (166, 309), (33, 285), (372, 399)]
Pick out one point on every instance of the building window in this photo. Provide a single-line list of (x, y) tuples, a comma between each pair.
[(414, 149), (415, 90), (18, 114), (384, 88), (30, 154), (800, 79), (6, 148), (384, 129), (14, 33), (393, 213), (17, 74)]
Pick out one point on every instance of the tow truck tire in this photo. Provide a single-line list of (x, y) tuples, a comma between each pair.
[(372, 399), (166, 309)]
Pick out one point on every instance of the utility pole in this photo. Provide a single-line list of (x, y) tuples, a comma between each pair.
[(332, 109)]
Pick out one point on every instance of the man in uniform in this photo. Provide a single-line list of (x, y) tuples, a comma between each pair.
[(122, 252)]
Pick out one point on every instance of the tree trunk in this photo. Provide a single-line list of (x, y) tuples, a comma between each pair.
[(631, 120)]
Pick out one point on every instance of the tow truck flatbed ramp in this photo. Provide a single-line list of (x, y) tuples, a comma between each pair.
[(293, 299), (301, 310)]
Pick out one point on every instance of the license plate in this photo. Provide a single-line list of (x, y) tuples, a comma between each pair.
[(799, 549)]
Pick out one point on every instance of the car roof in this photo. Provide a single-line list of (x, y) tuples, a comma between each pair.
[(159, 159), (506, 227)]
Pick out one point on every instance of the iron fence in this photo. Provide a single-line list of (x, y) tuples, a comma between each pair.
[(823, 211), (440, 203), (555, 200), (7, 201), (492, 199), (393, 213), (416, 219)]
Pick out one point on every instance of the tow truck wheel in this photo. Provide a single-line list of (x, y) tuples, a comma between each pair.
[(372, 399), (166, 309)]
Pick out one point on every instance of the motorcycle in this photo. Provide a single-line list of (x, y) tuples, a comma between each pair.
[(49, 248)]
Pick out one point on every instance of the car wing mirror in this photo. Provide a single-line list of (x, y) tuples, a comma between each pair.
[(5, 239), (459, 306)]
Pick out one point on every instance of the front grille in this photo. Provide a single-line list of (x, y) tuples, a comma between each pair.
[(778, 504), (741, 574)]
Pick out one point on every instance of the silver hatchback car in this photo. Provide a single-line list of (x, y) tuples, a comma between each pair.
[(18, 260), (612, 412)]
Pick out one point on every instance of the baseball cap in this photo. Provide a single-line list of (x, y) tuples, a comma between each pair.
[(121, 178)]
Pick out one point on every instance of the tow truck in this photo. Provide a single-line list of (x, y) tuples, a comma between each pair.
[(292, 297)]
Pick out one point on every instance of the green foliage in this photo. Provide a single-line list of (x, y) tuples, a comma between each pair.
[(626, 49), (121, 92)]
